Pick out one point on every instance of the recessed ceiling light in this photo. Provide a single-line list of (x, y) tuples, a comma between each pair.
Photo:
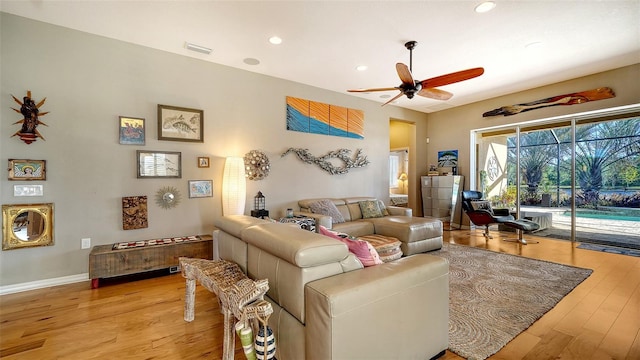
[(275, 40), (485, 6), (197, 48), (251, 61), (361, 67)]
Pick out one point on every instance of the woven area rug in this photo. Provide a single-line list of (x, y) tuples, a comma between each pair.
[(495, 296)]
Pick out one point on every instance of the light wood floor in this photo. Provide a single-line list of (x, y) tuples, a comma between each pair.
[(143, 319)]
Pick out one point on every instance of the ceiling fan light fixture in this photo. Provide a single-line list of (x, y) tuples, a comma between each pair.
[(275, 40), (197, 48), (485, 6)]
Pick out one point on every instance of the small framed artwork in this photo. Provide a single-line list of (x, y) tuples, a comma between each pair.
[(134, 212), (200, 188), (180, 124), (203, 162), (27, 190), (132, 131), (159, 164), (27, 169)]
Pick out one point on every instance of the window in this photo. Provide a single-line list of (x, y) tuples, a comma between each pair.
[(394, 170)]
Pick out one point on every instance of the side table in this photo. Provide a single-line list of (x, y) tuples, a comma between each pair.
[(305, 223), (239, 296)]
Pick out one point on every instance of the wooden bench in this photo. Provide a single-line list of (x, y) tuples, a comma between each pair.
[(239, 296)]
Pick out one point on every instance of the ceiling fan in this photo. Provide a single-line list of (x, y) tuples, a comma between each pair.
[(426, 88)]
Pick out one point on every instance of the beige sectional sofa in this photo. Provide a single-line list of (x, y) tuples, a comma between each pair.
[(416, 234), (327, 306)]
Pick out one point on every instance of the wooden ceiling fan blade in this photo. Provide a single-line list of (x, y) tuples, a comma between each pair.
[(405, 74), (435, 94), (374, 89), (452, 78), (392, 99)]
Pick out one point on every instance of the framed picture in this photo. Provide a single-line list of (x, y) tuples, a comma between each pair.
[(200, 188), (180, 124), (203, 162), (159, 164), (27, 190), (131, 131), (27, 169), (134, 212)]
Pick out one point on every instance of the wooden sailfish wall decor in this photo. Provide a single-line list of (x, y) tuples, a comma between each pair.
[(30, 112), (567, 99), (359, 159)]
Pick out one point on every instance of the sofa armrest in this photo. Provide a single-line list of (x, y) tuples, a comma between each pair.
[(408, 299), (397, 210), (324, 220)]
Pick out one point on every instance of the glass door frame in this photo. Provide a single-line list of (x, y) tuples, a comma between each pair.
[(567, 120)]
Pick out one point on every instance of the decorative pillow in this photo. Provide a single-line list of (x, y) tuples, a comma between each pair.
[(326, 207), (370, 209), (366, 253), (383, 208), (481, 205)]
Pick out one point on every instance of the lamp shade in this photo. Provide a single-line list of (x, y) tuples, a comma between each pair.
[(402, 177), (234, 187)]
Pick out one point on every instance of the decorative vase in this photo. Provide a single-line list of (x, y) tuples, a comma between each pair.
[(246, 339), (265, 344)]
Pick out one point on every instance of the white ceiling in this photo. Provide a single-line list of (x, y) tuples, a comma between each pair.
[(324, 41)]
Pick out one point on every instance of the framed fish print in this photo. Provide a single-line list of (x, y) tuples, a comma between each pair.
[(180, 124)]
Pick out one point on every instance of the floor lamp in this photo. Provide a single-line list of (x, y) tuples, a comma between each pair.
[(234, 187)]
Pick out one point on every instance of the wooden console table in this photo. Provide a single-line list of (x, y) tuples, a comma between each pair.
[(105, 262)]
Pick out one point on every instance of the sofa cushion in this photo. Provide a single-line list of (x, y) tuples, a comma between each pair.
[(387, 247), (356, 228), (364, 251), (299, 247), (370, 209), (327, 207)]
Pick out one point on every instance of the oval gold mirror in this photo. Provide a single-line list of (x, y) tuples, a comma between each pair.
[(27, 225)]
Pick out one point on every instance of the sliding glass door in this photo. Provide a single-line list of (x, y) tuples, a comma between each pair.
[(578, 178)]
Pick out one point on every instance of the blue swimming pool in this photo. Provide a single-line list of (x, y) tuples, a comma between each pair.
[(608, 213)]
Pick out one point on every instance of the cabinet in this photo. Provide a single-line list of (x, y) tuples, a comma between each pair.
[(441, 198), (106, 262)]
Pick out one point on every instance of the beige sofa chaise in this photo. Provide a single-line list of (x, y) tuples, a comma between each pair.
[(327, 306), (416, 234)]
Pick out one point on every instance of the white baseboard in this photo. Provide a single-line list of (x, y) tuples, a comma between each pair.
[(40, 284)]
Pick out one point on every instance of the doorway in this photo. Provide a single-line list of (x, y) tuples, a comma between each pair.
[(403, 179)]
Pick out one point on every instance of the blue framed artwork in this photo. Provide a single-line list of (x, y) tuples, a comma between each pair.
[(448, 158)]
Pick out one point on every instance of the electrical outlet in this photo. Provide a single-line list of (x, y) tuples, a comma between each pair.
[(86, 243)]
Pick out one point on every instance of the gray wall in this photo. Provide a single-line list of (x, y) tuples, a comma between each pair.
[(89, 81)]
